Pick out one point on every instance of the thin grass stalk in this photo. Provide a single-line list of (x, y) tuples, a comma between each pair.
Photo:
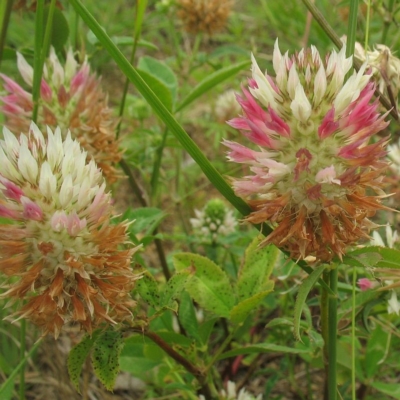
[(353, 336), (22, 349), (48, 32), (140, 9), (5, 19), (350, 45), (367, 25), (155, 175), (352, 28), (37, 59), (332, 335)]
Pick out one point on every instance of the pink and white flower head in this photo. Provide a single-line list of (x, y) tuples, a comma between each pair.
[(315, 176), (70, 98), (62, 254)]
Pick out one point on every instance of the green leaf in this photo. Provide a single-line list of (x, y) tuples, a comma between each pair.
[(161, 71), (158, 87), (211, 81), (105, 357), (377, 256), (147, 288), (391, 389), (146, 219), (256, 270), (60, 29), (187, 316), (77, 357), (173, 289), (302, 295), (262, 348), (208, 285), (242, 310), (376, 352)]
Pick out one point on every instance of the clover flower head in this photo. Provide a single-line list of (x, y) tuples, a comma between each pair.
[(63, 256), (392, 238), (207, 16), (70, 98), (226, 106), (385, 66), (213, 221), (314, 174), (231, 393)]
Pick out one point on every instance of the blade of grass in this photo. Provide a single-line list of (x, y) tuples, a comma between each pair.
[(187, 143), (37, 59)]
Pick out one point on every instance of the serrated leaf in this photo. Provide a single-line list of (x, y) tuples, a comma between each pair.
[(256, 270), (302, 295), (377, 256), (187, 316), (77, 357), (105, 357), (242, 310), (158, 69), (208, 285), (147, 288), (211, 81), (173, 289), (263, 348)]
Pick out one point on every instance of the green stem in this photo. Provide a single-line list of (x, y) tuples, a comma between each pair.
[(332, 335), (6, 13), (37, 59), (220, 350), (323, 23), (353, 336), (22, 357), (10, 379), (139, 192), (352, 28), (140, 8), (48, 32), (157, 165), (367, 25)]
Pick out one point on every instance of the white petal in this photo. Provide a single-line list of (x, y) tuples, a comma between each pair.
[(66, 192), (277, 57), (293, 81), (27, 165), (25, 69), (265, 93), (300, 106), (319, 85), (47, 181)]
